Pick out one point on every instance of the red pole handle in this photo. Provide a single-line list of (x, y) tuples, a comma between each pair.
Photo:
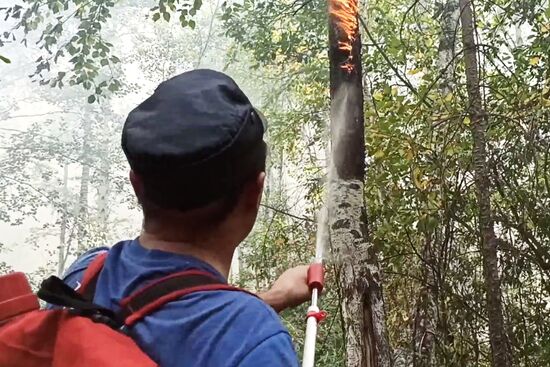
[(316, 277)]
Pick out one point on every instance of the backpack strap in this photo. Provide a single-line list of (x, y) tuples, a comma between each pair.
[(154, 295), (54, 291), (167, 289), (91, 275)]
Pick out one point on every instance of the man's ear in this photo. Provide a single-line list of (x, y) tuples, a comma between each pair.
[(259, 186), (137, 184), (251, 196)]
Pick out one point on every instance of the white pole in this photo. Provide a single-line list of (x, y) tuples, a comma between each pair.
[(311, 333), (315, 281)]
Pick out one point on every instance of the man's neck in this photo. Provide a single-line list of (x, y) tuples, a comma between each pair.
[(212, 251)]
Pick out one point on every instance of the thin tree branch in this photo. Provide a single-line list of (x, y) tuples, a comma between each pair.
[(287, 214)]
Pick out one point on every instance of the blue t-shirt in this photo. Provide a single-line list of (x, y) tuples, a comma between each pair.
[(213, 328)]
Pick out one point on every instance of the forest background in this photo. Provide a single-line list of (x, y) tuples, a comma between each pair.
[(70, 71)]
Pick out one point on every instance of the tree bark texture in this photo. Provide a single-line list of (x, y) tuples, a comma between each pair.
[(359, 275), (62, 251), (425, 318), (82, 215), (103, 196), (497, 335), (448, 14)]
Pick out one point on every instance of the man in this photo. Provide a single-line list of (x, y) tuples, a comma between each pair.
[(197, 158)]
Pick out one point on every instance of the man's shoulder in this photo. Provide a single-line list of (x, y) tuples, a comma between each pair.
[(74, 273), (234, 306), (205, 323)]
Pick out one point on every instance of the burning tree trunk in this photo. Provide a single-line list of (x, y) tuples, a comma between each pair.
[(359, 276), (497, 334)]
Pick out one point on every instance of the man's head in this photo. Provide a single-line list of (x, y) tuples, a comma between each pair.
[(197, 154)]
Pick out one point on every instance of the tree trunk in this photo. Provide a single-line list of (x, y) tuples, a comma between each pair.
[(82, 216), (449, 14), (497, 335), (359, 275), (426, 314), (234, 270), (425, 318), (62, 251), (104, 191)]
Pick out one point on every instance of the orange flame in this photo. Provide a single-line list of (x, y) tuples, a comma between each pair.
[(345, 16)]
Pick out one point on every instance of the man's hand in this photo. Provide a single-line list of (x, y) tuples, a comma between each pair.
[(290, 290)]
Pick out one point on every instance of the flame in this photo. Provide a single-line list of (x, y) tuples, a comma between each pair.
[(344, 13)]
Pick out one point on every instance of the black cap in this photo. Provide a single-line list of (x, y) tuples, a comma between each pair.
[(195, 140)]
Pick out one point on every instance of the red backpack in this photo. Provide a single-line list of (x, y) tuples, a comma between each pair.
[(82, 333)]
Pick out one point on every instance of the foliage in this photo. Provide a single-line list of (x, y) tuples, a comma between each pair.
[(419, 190), (74, 32)]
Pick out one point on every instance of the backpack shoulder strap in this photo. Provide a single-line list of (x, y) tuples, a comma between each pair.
[(156, 294), (167, 289), (91, 274)]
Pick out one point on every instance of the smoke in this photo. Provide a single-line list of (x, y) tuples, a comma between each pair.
[(322, 238), (343, 197)]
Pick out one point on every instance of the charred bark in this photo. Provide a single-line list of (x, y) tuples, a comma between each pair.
[(359, 276), (497, 333)]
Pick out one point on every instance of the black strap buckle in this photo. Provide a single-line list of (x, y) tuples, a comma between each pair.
[(54, 291)]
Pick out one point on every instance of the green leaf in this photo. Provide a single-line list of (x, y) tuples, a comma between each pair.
[(166, 16), (183, 22), (5, 59), (91, 98), (379, 154), (394, 91), (417, 178), (378, 96), (534, 60), (156, 17), (192, 24), (114, 86)]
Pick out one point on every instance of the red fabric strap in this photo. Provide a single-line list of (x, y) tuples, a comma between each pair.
[(135, 309), (151, 307), (155, 283), (131, 316), (92, 272)]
